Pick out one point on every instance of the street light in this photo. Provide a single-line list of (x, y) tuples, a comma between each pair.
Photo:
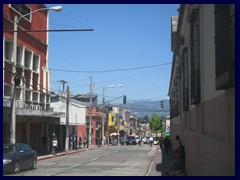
[(111, 86), (16, 21)]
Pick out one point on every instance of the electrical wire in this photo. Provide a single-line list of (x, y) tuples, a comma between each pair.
[(110, 70)]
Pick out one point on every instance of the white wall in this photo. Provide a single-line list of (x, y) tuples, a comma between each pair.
[(77, 112)]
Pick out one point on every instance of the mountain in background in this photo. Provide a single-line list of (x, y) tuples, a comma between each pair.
[(142, 108)]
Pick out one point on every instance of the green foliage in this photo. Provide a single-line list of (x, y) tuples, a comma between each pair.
[(156, 124)]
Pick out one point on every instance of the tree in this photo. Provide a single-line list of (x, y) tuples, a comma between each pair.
[(155, 124)]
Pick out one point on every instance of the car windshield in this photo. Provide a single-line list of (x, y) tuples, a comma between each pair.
[(130, 138), (9, 149)]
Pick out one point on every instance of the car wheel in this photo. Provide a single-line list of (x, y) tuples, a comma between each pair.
[(16, 168), (34, 164)]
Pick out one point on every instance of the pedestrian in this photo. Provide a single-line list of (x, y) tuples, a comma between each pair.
[(104, 140), (161, 143), (54, 144), (180, 153), (84, 142), (166, 144), (179, 142), (80, 142), (45, 144), (151, 141), (70, 142)]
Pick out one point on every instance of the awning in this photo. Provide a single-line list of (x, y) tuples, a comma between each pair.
[(114, 134)]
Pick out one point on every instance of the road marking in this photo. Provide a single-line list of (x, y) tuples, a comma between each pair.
[(116, 151), (107, 154), (94, 159)]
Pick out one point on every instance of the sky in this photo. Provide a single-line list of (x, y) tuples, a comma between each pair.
[(129, 49)]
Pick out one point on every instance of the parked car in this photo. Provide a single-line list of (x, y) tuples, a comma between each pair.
[(17, 157), (131, 140)]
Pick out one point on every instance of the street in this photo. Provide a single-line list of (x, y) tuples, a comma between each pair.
[(132, 160)]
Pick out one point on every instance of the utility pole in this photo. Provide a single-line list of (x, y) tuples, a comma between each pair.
[(63, 82), (67, 121), (13, 101), (90, 115), (103, 115)]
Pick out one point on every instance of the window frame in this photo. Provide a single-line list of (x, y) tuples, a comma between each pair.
[(195, 57), (20, 13)]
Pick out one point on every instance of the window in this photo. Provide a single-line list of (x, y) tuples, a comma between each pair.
[(185, 80), (27, 60), (225, 46), (195, 57), (19, 55), (8, 50), (22, 9), (35, 62)]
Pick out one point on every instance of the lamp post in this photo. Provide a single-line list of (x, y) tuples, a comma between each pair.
[(111, 86), (13, 101)]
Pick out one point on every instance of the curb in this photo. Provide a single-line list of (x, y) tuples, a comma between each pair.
[(152, 160), (60, 154)]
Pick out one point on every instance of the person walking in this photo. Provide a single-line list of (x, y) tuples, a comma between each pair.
[(151, 141), (84, 142), (80, 142), (54, 144)]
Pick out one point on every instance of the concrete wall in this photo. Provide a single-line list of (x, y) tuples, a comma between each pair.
[(210, 138)]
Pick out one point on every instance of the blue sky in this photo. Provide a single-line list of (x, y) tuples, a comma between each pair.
[(125, 36)]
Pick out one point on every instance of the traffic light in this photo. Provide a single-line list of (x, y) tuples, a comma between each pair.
[(161, 104), (124, 99)]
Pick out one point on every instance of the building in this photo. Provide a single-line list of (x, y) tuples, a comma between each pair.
[(96, 115), (34, 115), (76, 122), (202, 87)]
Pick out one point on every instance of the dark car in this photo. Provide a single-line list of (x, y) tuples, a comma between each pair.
[(131, 140), (17, 157)]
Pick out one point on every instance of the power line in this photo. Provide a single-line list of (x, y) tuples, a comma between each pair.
[(110, 70)]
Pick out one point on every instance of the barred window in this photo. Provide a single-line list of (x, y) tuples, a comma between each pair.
[(225, 46), (195, 56), (185, 80)]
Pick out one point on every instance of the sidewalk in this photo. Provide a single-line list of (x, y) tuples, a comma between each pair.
[(161, 164)]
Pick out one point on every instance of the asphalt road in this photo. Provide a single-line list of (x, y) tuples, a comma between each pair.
[(131, 160)]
